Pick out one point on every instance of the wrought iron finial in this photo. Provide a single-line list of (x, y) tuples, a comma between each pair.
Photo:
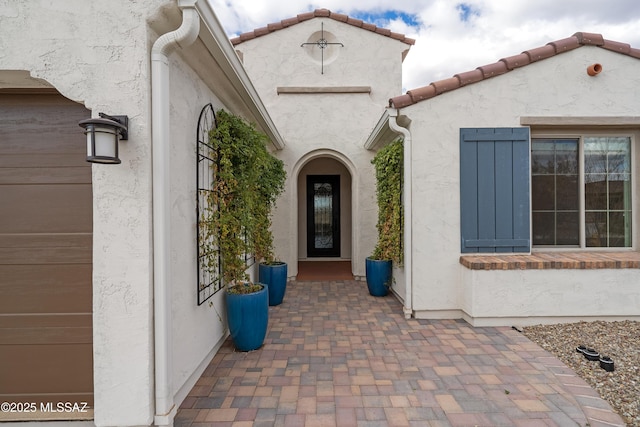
[(322, 44)]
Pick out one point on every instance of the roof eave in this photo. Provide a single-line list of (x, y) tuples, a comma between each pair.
[(223, 52), (510, 63), (319, 13)]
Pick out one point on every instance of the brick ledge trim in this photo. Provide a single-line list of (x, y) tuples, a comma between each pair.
[(553, 261)]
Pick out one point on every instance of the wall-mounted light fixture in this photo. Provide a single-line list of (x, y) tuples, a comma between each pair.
[(103, 135)]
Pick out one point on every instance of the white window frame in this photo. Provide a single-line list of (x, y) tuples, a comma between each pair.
[(580, 135)]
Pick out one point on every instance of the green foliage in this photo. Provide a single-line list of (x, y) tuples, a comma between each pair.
[(247, 181), (388, 164), (244, 288)]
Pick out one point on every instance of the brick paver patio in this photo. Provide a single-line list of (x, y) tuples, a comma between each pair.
[(336, 356)]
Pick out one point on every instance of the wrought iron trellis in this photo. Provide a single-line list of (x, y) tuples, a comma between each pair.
[(209, 276), (209, 264)]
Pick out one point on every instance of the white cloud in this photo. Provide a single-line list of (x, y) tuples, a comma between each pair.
[(446, 45)]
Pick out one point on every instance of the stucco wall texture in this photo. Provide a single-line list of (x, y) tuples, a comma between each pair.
[(325, 125), (555, 87)]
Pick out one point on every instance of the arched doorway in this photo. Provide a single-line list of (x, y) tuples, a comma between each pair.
[(325, 213), (324, 201)]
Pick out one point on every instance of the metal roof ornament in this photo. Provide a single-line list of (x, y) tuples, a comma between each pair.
[(322, 44)]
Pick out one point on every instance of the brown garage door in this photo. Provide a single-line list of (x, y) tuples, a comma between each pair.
[(45, 251)]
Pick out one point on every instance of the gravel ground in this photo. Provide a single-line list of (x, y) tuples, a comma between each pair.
[(618, 340)]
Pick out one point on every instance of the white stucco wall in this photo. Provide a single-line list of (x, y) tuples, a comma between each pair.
[(325, 125), (558, 86), (197, 331), (528, 297), (100, 59)]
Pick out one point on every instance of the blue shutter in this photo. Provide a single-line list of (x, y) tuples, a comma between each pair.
[(494, 190)]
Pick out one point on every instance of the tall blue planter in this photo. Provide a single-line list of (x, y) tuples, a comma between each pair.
[(275, 277), (248, 316), (378, 276)]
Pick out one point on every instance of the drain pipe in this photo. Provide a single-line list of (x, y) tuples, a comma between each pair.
[(160, 144), (408, 210)]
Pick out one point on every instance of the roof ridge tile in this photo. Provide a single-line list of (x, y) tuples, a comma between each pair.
[(446, 85), (290, 21), (368, 26), (564, 45), (617, 46), (319, 13), (422, 93), (494, 69), (306, 16), (509, 63), (516, 61), (338, 17), (469, 77), (261, 31), (355, 22), (590, 39), (542, 52)]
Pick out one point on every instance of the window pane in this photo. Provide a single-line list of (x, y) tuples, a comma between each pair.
[(618, 162), (619, 230), (595, 191), (543, 228), (323, 215), (568, 231), (619, 155), (542, 192), (566, 156), (619, 191), (596, 229), (607, 181), (555, 192), (542, 162), (595, 155), (567, 187)]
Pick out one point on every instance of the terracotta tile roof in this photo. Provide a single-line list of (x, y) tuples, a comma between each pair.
[(319, 13), (507, 64)]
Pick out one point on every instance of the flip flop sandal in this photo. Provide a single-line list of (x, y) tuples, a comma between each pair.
[(591, 354), (606, 363)]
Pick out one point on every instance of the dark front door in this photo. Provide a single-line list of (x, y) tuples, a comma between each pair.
[(323, 215)]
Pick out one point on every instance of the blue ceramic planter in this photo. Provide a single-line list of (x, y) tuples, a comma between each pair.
[(248, 316), (275, 277), (378, 276)]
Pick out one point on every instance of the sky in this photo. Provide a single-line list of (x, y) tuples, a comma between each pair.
[(454, 36)]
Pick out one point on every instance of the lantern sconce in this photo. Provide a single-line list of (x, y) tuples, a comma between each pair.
[(103, 135)]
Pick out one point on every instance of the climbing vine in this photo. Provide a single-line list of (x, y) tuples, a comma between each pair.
[(388, 164), (247, 181)]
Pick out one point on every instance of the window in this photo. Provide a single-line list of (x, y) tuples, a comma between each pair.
[(555, 207), (581, 191)]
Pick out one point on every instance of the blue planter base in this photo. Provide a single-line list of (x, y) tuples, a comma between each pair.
[(275, 277), (248, 316), (378, 276)]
